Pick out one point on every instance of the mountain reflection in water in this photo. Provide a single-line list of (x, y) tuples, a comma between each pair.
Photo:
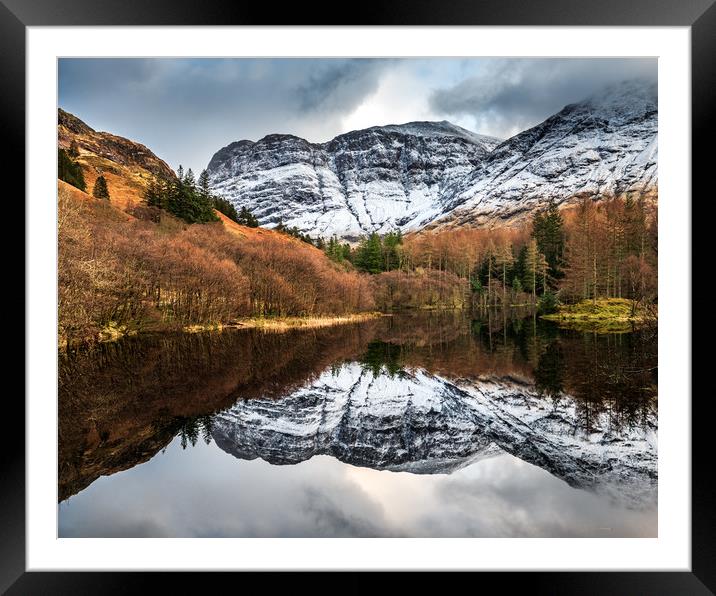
[(425, 394)]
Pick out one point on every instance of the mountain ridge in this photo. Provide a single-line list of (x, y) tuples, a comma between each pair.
[(365, 179), (127, 166), (603, 146), (436, 174)]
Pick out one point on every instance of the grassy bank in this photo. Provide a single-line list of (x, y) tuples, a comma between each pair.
[(603, 315), (286, 323), (113, 332)]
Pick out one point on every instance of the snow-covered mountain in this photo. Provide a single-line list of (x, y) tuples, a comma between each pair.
[(602, 147), (422, 174), (377, 179), (427, 424)]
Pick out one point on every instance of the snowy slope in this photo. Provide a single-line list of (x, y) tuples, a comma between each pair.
[(436, 174), (427, 424), (601, 147), (375, 179)]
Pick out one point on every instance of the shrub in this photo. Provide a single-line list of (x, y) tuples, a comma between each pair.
[(547, 303)]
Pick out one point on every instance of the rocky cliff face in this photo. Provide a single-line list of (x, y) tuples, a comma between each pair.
[(436, 174), (378, 179), (426, 424)]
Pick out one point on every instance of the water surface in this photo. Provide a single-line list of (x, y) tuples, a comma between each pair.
[(413, 425)]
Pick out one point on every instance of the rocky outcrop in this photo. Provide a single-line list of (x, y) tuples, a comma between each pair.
[(108, 146)]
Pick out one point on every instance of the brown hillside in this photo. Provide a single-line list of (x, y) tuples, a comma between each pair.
[(260, 234), (127, 166)]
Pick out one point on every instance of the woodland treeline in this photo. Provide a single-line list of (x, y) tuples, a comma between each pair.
[(605, 249), (151, 269)]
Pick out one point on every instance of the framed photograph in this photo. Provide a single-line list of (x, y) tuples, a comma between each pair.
[(385, 295)]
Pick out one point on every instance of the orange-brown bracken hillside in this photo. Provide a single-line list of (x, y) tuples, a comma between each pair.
[(129, 167), (148, 270), (125, 266)]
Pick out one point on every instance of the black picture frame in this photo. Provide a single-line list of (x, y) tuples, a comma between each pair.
[(699, 15)]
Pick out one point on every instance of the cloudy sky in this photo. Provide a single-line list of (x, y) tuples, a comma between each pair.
[(187, 109), (205, 492)]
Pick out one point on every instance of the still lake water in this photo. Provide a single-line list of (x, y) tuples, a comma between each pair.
[(425, 425)]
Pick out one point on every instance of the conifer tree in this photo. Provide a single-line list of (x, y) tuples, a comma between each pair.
[(203, 185), (246, 218), (100, 189), (517, 285), (69, 170), (369, 255), (548, 231), (391, 254), (189, 179), (224, 206), (156, 193)]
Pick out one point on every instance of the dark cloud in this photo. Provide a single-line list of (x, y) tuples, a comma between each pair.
[(340, 85), (187, 109), (508, 95)]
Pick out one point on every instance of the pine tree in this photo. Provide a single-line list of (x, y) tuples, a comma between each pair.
[(334, 250), (189, 179), (70, 171), (370, 254), (203, 184), (548, 231), (517, 285), (246, 218), (391, 254), (223, 206), (155, 194), (100, 189)]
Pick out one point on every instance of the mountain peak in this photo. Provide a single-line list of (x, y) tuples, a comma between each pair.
[(72, 123), (419, 173), (605, 145), (430, 129)]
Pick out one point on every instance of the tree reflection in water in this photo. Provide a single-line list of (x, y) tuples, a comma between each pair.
[(121, 403)]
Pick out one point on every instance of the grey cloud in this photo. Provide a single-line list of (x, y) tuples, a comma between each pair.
[(508, 95), (340, 85), (327, 514), (186, 109)]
